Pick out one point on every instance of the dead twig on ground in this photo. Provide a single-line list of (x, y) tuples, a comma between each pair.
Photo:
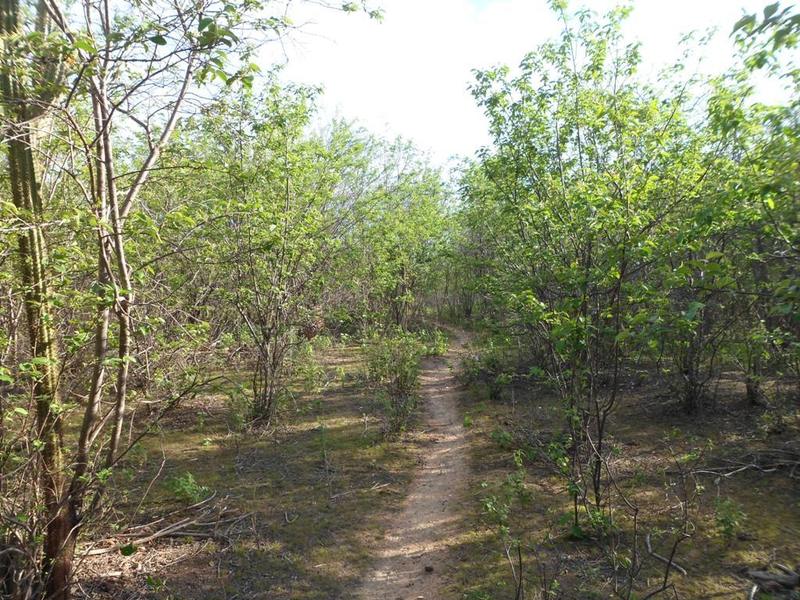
[(204, 521)]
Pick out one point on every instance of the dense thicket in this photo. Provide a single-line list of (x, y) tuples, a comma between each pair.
[(614, 223)]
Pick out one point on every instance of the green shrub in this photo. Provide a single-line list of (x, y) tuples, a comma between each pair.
[(322, 342), (477, 595), (308, 371), (186, 489), (435, 342), (393, 365), (497, 511), (393, 361), (497, 508), (238, 403), (502, 438), (492, 366), (729, 517)]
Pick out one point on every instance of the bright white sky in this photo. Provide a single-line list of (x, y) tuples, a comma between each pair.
[(409, 74)]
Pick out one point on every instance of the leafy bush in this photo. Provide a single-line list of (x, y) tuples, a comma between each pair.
[(497, 511), (502, 438), (186, 489), (393, 361), (729, 517), (497, 508), (435, 342), (238, 403), (477, 595), (493, 366), (308, 371), (393, 365), (322, 342)]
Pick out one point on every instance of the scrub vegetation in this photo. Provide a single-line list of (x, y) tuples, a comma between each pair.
[(229, 332)]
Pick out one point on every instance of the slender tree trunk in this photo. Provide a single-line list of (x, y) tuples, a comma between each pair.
[(124, 297), (754, 371), (102, 319), (59, 541), (20, 110)]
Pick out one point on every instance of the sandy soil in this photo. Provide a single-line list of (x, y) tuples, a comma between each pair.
[(412, 560)]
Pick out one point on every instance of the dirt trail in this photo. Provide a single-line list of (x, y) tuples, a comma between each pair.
[(420, 535)]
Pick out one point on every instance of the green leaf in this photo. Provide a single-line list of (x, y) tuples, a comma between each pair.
[(85, 44), (693, 309), (128, 550), (771, 10), (159, 40), (537, 372), (746, 23), (20, 411), (204, 22)]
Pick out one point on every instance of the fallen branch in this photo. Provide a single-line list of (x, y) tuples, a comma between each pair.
[(144, 539), (374, 488), (207, 514), (774, 581), (669, 562), (768, 460), (175, 512)]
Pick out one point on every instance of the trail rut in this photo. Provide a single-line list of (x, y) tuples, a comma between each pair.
[(419, 536)]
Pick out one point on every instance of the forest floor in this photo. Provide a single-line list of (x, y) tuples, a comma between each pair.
[(741, 514), (331, 509)]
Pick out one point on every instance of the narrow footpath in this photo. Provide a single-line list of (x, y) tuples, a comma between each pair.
[(412, 560)]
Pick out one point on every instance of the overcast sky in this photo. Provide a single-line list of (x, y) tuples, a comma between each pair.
[(408, 75)]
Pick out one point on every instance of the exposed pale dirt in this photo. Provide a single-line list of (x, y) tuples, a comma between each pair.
[(420, 535)]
